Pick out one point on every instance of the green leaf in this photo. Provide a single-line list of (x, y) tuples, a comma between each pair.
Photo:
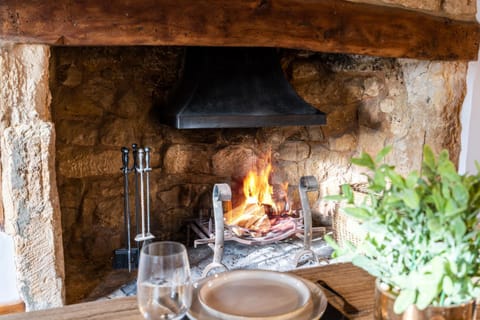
[(447, 285), (460, 194), (428, 157), (448, 171), (367, 265), (438, 200), (411, 199), (378, 184), (429, 280), (451, 208), (347, 192), (434, 225), (365, 160), (383, 153), (405, 299), (330, 241), (357, 212), (334, 197), (397, 180), (437, 267), (411, 180), (459, 228), (428, 290), (443, 158)]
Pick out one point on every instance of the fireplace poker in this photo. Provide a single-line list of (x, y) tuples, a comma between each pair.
[(123, 257), (143, 236), (147, 170), (137, 201), (126, 212)]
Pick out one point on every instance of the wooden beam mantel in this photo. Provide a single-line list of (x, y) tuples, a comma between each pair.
[(320, 25)]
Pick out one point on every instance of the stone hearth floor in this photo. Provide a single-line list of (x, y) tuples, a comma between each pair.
[(276, 257)]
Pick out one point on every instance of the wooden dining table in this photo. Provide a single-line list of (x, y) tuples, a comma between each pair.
[(354, 284)]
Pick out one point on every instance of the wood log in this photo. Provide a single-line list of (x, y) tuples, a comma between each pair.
[(335, 26)]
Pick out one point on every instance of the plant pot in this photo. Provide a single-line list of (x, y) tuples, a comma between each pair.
[(384, 301)]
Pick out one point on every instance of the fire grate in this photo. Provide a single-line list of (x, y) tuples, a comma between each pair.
[(214, 232)]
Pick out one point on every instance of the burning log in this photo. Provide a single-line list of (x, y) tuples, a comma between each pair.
[(251, 216)]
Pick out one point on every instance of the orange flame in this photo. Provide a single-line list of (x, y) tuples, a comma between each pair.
[(257, 189), (253, 214)]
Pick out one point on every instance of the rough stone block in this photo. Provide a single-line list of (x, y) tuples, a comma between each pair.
[(71, 104), (293, 151), (99, 90), (129, 105), (180, 196), (341, 120), (372, 87), (234, 161), (118, 132), (430, 5), (315, 133), (77, 132), (187, 159), (304, 71), (460, 8), (70, 193), (87, 162), (344, 143)]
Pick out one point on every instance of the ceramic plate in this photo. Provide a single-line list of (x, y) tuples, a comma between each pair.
[(254, 295), (276, 295)]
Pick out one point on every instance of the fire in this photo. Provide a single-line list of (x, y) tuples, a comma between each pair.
[(257, 189), (262, 204)]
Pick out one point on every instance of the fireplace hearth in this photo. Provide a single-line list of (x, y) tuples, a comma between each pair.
[(279, 256)]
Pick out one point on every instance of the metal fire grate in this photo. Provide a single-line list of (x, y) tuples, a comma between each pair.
[(214, 232)]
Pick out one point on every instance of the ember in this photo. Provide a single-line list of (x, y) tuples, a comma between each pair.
[(265, 208)]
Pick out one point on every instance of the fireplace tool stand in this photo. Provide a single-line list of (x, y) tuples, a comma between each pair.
[(222, 193), (128, 257)]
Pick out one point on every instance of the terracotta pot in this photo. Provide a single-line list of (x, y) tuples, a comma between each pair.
[(384, 301)]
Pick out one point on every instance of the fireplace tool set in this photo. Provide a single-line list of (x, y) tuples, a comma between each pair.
[(128, 257), (215, 233)]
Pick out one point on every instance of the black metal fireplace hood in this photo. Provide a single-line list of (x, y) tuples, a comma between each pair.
[(225, 87)]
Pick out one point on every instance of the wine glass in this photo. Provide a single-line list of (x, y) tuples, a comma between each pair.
[(164, 289)]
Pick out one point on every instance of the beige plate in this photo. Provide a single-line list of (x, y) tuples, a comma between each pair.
[(255, 294)]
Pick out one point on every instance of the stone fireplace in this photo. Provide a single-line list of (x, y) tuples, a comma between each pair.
[(101, 101), (67, 111)]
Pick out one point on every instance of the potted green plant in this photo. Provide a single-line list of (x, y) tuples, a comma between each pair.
[(422, 235)]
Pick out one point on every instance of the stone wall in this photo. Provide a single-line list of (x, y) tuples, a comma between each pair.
[(102, 100), (29, 189), (457, 9)]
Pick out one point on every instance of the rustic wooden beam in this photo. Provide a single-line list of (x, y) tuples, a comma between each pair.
[(320, 25)]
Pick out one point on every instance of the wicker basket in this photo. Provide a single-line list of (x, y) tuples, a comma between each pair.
[(347, 229)]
